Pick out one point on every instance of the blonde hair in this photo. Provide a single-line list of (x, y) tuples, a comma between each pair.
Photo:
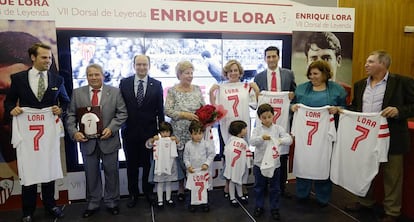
[(228, 65), (182, 66)]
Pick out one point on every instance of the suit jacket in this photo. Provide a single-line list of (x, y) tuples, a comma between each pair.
[(113, 112), (21, 92), (287, 80), (142, 122), (399, 93)]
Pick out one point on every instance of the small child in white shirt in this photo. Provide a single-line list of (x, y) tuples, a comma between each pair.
[(198, 156), (266, 137), (239, 160), (164, 166)]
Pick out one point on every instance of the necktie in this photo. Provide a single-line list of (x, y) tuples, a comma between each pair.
[(140, 92), (273, 86), (95, 97), (41, 87)]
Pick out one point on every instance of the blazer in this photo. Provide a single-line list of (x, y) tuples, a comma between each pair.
[(21, 92), (287, 80), (399, 93), (113, 111), (142, 122)]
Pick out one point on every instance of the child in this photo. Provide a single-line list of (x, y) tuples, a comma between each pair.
[(266, 137), (239, 160), (164, 166), (198, 156)]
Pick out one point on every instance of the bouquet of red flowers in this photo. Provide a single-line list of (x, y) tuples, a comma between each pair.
[(209, 114)]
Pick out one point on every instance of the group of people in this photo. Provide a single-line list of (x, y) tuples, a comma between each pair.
[(137, 109)]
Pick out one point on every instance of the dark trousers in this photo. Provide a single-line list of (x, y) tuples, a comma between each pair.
[(133, 162), (260, 185), (29, 194), (283, 171)]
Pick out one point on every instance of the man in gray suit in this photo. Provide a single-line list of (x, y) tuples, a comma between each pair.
[(284, 81), (105, 147)]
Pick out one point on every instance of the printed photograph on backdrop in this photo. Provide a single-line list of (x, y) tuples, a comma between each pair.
[(333, 47)]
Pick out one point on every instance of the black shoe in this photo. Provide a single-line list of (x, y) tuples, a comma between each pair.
[(88, 213), (170, 203), (160, 204), (113, 210), (258, 211), (192, 208), (286, 195), (27, 219), (234, 203), (206, 208), (181, 197), (56, 212), (133, 200), (226, 195), (322, 205), (243, 200), (357, 207), (275, 214)]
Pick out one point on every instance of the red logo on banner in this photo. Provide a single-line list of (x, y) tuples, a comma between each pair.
[(88, 50), (6, 188)]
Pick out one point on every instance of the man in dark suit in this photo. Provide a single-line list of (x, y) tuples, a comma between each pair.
[(24, 93), (106, 146), (285, 82), (143, 96), (393, 96)]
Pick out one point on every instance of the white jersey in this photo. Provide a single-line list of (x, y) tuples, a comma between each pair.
[(280, 102), (90, 122), (314, 132), (198, 183), (271, 158), (36, 137), (165, 153), (235, 98), (239, 159), (362, 143)]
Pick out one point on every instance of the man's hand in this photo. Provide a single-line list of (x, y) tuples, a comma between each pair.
[(79, 137), (56, 110), (390, 112), (106, 133), (16, 111)]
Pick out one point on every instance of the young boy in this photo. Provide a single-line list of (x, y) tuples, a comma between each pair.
[(266, 138), (198, 156)]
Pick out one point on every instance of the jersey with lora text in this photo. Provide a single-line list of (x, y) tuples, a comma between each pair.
[(238, 160), (235, 99), (314, 132), (198, 183), (280, 102), (362, 143), (36, 136)]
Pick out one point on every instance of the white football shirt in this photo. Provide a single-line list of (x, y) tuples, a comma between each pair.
[(362, 143), (314, 132), (36, 136)]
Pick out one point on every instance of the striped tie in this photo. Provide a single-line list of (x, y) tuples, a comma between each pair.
[(140, 93)]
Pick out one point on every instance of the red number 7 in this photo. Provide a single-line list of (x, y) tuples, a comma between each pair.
[(36, 138), (361, 137), (314, 129)]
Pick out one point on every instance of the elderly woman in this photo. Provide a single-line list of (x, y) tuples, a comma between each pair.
[(317, 92), (235, 96), (183, 99)]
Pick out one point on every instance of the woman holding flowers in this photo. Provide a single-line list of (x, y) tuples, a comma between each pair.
[(183, 99)]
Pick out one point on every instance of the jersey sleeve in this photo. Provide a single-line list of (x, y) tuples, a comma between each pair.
[(383, 140)]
